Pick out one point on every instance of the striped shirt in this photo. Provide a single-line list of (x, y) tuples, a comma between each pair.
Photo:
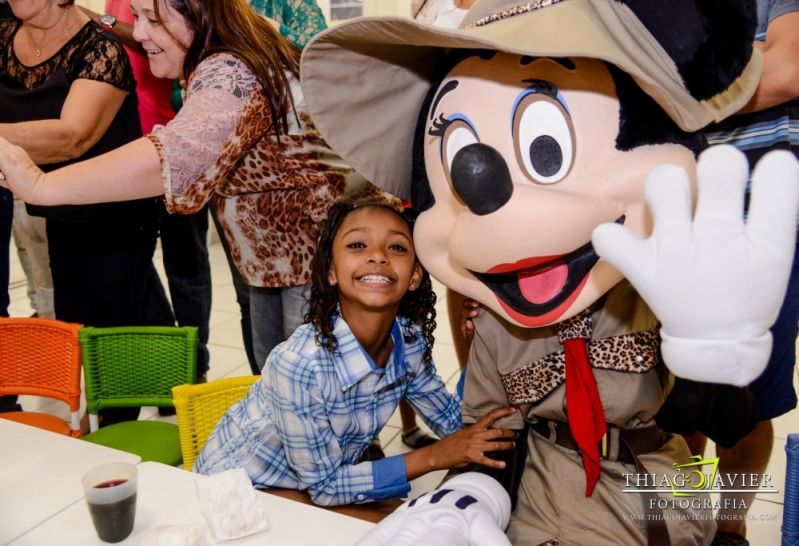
[(775, 128), (307, 422)]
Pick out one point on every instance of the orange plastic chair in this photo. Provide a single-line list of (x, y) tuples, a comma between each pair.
[(41, 357)]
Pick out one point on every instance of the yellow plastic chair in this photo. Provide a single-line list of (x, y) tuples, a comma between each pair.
[(41, 357), (200, 407)]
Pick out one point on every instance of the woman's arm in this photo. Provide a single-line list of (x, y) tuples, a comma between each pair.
[(132, 171), (304, 417), (195, 151), (87, 113)]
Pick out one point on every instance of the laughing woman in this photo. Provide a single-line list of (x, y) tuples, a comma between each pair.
[(243, 134)]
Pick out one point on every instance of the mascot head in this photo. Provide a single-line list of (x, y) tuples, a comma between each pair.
[(519, 133)]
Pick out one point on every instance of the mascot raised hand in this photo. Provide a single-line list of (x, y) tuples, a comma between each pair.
[(550, 146)]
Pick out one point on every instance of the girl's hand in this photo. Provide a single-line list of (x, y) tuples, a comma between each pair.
[(468, 312), (20, 174), (470, 444)]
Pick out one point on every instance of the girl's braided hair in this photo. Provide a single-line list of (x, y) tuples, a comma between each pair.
[(417, 306)]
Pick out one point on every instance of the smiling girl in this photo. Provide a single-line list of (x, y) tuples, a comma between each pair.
[(334, 384)]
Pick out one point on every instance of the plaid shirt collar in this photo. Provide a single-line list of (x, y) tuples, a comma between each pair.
[(353, 363)]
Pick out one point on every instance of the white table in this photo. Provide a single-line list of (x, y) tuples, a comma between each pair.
[(40, 474), (167, 496)]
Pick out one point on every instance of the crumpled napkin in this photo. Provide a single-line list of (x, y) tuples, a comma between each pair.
[(230, 505)]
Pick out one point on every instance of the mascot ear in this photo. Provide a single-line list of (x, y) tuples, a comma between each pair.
[(710, 42)]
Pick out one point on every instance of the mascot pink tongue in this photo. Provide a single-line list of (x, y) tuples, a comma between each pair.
[(541, 286)]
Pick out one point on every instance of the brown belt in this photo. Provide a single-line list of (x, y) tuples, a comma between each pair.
[(618, 444), (623, 445)]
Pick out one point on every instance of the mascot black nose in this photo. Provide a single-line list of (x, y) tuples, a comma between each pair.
[(481, 178)]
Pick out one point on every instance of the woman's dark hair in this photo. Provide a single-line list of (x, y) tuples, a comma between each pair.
[(231, 26), (418, 306)]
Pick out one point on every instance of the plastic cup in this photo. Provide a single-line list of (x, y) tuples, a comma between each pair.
[(110, 492)]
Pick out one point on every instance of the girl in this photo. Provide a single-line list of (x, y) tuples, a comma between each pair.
[(333, 385)]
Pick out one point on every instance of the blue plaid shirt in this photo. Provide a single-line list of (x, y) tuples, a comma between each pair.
[(307, 422)]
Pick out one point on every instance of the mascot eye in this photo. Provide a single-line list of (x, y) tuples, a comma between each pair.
[(544, 138), (457, 135)]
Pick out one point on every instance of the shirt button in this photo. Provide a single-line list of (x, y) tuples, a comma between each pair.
[(360, 497)]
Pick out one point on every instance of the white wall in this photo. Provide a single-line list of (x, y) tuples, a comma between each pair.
[(94, 5), (387, 7)]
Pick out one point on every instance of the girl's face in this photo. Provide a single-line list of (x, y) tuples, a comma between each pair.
[(374, 263), (166, 42)]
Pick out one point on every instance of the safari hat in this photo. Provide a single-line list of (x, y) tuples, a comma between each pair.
[(364, 81)]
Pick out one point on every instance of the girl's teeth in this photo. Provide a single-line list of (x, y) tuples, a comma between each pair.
[(376, 279)]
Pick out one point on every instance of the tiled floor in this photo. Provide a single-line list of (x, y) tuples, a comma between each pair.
[(228, 359)]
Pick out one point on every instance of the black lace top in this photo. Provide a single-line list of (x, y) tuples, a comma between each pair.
[(29, 93), (90, 54)]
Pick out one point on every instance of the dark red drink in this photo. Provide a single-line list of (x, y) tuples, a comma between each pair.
[(112, 505), (109, 483)]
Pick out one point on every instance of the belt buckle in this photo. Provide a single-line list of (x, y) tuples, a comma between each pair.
[(604, 447)]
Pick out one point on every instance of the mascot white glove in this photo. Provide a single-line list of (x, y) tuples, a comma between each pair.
[(471, 509), (715, 282)]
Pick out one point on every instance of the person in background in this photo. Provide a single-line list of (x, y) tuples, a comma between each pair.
[(7, 403), (184, 246), (333, 385), (65, 95), (30, 238), (443, 13), (768, 122), (243, 134), (297, 20)]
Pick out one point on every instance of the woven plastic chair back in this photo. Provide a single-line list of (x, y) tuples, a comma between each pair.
[(136, 365), (200, 407), (41, 357)]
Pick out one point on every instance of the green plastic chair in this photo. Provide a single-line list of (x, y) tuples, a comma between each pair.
[(137, 366)]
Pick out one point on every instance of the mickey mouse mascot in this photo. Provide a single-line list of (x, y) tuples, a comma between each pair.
[(550, 148)]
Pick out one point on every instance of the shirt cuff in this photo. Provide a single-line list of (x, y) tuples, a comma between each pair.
[(166, 175), (389, 478)]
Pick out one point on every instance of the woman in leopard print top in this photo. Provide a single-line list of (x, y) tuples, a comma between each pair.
[(243, 134)]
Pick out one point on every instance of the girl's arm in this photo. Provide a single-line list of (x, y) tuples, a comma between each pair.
[(303, 416), (87, 113), (441, 411), (468, 445)]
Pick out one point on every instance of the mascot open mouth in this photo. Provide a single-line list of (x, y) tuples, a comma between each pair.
[(539, 288)]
